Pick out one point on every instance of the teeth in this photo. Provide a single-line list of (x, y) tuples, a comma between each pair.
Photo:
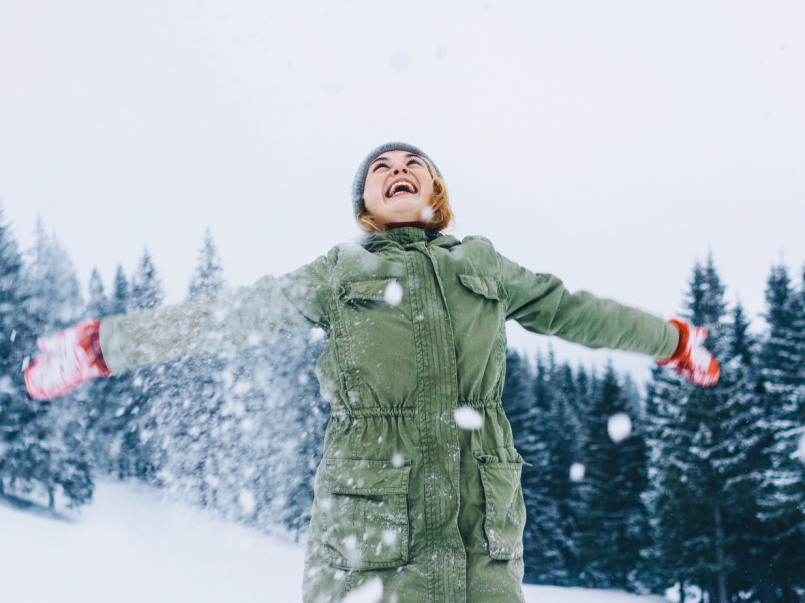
[(393, 190)]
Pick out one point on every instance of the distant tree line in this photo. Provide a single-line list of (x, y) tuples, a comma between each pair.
[(707, 490), (703, 488)]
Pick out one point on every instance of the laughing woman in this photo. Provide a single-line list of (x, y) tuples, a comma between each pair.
[(415, 322)]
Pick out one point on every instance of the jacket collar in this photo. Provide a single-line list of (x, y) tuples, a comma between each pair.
[(407, 236)]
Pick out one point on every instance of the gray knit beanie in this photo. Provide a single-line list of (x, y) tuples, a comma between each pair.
[(360, 177)]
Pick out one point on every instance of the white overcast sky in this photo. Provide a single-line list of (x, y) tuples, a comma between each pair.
[(611, 143)]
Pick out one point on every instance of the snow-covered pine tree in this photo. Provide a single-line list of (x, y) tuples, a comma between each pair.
[(674, 556), (134, 417), (544, 541), (782, 392), (51, 451), (146, 287), (566, 440), (297, 366), (241, 432), (108, 398), (120, 300), (17, 410), (97, 302), (99, 391), (53, 292), (191, 404), (701, 441), (208, 273), (740, 457), (613, 525)]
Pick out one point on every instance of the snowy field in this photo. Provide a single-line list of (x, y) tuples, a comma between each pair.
[(133, 545)]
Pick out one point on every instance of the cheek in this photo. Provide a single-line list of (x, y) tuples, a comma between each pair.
[(427, 191), (372, 191)]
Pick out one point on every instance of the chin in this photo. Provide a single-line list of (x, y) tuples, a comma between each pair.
[(406, 206)]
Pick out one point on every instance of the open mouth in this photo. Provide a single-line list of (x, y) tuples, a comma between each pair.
[(398, 187)]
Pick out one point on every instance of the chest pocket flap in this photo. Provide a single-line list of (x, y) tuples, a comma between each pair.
[(372, 290), (486, 286)]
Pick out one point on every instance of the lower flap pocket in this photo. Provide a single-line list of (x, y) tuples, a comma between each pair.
[(505, 514), (366, 513)]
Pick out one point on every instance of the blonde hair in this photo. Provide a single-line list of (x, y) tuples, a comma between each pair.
[(439, 202)]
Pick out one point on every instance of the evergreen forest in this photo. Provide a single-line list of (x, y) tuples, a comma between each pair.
[(697, 489)]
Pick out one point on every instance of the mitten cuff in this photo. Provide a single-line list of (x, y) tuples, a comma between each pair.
[(682, 346)]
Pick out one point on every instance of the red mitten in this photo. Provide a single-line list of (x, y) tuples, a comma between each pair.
[(691, 359), (68, 359)]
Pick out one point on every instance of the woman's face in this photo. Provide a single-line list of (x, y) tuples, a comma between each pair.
[(398, 188)]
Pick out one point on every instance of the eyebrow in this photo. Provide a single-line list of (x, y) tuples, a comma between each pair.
[(381, 158)]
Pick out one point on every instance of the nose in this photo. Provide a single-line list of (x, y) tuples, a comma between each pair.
[(400, 168)]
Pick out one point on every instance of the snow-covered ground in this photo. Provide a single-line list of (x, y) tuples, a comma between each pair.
[(134, 545)]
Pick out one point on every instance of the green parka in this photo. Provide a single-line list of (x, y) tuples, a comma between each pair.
[(402, 492)]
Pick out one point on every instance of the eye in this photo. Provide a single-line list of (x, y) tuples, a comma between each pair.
[(415, 162), (379, 165)]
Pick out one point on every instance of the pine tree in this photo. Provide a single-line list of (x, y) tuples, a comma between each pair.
[(53, 292), (565, 440), (544, 541), (120, 302), (782, 391), (97, 303), (704, 443), (192, 403), (311, 423), (133, 393), (146, 287), (614, 525), (108, 398), (48, 451), (739, 458), (207, 276), (17, 410)]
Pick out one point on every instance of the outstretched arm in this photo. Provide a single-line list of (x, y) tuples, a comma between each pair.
[(540, 303), (222, 320)]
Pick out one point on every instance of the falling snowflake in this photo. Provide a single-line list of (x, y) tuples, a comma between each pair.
[(393, 294), (619, 427), (242, 387), (399, 60), (468, 418), (801, 449), (427, 213), (247, 502), (333, 86), (350, 542), (577, 472), (370, 592), (389, 537), (398, 460)]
